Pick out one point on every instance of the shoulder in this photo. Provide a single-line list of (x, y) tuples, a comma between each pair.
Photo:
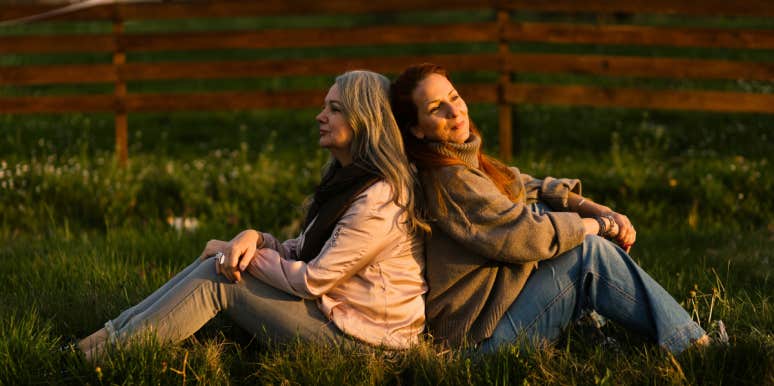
[(377, 196), (516, 172), (460, 178), (454, 173)]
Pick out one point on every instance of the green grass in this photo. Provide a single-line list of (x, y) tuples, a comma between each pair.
[(102, 273), (82, 239)]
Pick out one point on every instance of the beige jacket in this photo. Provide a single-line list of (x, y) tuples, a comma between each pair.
[(368, 278)]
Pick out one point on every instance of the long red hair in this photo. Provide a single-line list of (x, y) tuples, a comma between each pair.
[(406, 114)]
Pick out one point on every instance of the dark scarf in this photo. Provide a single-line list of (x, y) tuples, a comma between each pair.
[(332, 198)]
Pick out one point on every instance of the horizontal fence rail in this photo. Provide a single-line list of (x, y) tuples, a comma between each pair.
[(722, 101), (225, 9), (280, 38), (235, 100), (607, 65), (498, 55)]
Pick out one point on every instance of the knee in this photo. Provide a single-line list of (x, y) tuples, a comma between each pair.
[(206, 271), (598, 249), (594, 242)]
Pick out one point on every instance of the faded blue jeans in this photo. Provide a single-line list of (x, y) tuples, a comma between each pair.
[(600, 276), (195, 295)]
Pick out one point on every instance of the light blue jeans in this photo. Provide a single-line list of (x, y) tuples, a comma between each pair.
[(600, 276), (195, 295)]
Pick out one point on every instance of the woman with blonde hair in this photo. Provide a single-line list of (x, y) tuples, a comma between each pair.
[(356, 270), (513, 259)]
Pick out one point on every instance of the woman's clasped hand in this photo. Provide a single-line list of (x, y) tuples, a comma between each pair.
[(237, 253)]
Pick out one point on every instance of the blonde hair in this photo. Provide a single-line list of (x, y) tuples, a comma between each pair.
[(377, 143)]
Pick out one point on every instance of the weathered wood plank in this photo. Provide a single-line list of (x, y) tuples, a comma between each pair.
[(567, 33), (57, 74), (719, 101), (270, 38), (57, 104), (571, 33), (223, 9), (606, 65), (758, 8), (61, 43), (245, 100), (102, 73), (230, 8), (647, 67), (235, 100), (312, 37)]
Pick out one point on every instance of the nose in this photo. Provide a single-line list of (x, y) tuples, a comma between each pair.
[(454, 110), (320, 117)]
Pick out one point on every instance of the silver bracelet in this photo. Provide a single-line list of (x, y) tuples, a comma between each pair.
[(582, 201)]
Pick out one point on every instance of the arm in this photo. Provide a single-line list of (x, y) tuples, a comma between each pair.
[(362, 232), (553, 191), (240, 251), (622, 229), (488, 223), (564, 194), (287, 249)]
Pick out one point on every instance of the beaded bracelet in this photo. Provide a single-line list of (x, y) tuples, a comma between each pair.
[(602, 226), (605, 229)]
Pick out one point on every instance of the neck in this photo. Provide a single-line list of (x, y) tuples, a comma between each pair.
[(342, 156)]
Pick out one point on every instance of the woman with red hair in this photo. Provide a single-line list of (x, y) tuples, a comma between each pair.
[(511, 258)]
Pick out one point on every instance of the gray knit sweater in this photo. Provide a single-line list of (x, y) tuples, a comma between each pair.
[(483, 246)]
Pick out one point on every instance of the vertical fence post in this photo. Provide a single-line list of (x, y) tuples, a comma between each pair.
[(119, 58), (504, 119)]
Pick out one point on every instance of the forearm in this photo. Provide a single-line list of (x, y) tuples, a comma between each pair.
[(601, 220), (267, 266), (585, 207), (286, 249), (251, 235)]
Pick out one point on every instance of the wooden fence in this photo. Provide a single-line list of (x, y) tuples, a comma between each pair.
[(595, 23)]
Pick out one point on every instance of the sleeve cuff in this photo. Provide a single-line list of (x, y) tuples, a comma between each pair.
[(267, 267), (569, 230), (555, 192), (269, 241)]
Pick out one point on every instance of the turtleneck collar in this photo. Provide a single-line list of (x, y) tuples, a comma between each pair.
[(466, 152)]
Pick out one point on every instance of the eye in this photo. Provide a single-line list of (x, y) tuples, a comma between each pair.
[(455, 97)]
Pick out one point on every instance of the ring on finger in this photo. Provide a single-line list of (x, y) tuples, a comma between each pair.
[(220, 257)]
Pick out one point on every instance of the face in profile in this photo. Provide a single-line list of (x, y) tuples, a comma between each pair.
[(442, 115), (335, 132)]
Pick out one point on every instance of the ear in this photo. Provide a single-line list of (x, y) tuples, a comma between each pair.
[(417, 132)]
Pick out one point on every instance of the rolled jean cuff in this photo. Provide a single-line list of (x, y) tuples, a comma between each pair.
[(683, 337), (112, 335)]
